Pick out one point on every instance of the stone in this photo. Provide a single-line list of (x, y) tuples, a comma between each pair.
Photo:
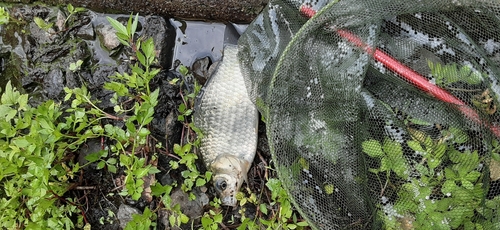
[(124, 214), (191, 208), (163, 34), (53, 83), (86, 32), (107, 36)]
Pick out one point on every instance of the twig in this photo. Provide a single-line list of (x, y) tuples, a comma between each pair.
[(85, 187)]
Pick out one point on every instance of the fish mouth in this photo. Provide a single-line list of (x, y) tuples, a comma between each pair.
[(229, 201)]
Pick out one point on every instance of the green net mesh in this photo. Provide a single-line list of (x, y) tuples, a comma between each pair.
[(381, 113)]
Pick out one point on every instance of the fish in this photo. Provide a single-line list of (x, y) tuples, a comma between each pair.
[(228, 121)]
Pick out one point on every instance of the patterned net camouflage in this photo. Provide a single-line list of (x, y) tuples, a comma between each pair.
[(382, 114)]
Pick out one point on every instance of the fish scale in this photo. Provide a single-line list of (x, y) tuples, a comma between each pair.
[(227, 118)]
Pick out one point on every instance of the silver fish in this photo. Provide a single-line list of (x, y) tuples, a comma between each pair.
[(228, 121)]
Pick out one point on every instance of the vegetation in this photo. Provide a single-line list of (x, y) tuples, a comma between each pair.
[(429, 182), (37, 145)]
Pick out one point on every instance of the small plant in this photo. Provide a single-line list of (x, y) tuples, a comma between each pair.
[(142, 221), (4, 16), (281, 219), (136, 119), (42, 24), (448, 74), (125, 34), (33, 184), (445, 190), (73, 11), (213, 218), (75, 66)]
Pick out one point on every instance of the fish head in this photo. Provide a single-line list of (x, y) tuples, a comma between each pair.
[(229, 173)]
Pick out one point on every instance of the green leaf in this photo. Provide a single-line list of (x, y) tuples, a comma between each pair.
[(153, 97), (134, 24), (200, 182), (143, 132), (119, 88), (183, 70), (101, 165), (70, 8), (450, 174), (42, 24), (112, 168), (93, 157), (21, 142), (385, 164), (23, 102), (370, 147), (392, 148), (4, 16), (184, 218), (80, 9), (473, 176), (415, 145), (148, 49), (141, 58), (120, 28), (449, 186), (459, 136), (467, 184), (263, 208), (7, 112), (153, 170), (111, 161), (433, 163), (9, 97), (139, 173)]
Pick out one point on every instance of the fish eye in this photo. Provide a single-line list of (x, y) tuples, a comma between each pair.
[(221, 185)]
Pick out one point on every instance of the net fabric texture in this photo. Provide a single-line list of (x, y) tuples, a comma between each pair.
[(381, 113)]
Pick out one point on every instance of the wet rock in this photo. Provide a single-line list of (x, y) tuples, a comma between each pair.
[(86, 32), (42, 36), (53, 83), (200, 69), (125, 213), (107, 36), (163, 34), (164, 124)]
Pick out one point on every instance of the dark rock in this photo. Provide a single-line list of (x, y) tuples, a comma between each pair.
[(41, 36), (163, 34), (191, 208), (53, 83), (86, 32), (164, 124)]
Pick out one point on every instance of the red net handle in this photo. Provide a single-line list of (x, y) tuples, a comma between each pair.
[(411, 76)]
